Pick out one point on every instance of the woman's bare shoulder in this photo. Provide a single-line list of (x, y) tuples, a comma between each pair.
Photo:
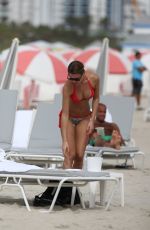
[(67, 87), (92, 76)]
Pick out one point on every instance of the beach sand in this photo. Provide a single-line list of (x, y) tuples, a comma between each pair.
[(134, 216)]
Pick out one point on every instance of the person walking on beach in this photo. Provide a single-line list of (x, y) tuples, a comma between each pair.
[(76, 119), (111, 136), (137, 74), (31, 93)]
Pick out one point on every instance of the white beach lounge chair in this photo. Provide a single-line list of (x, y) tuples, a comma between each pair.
[(11, 177), (122, 111), (22, 128), (45, 138), (8, 106)]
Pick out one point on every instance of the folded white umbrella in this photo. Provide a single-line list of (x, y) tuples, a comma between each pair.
[(102, 67), (9, 69)]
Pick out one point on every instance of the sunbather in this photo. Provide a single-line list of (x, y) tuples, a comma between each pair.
[(111, 136)]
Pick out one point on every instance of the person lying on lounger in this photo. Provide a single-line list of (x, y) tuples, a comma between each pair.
[(105, 134)]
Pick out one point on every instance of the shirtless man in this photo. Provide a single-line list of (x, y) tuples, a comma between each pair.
[(112, 136)]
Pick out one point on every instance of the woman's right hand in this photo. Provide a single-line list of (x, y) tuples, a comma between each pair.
[(65, 147)]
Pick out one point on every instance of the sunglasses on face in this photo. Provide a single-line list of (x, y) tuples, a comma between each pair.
[(74, 78)]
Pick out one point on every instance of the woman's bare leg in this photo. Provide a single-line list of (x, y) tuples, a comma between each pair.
[(69, 158), (81, 138)]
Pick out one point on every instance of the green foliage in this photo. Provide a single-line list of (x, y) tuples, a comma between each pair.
[(79, 24), (75, 33)]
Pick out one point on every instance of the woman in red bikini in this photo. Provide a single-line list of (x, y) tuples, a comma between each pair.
[(76, 119)]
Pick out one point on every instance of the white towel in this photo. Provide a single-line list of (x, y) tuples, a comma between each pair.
[(2, 154), (22, 128), (108, 117), (11, 166)]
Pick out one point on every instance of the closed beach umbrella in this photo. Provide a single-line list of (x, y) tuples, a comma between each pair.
[(9, 66), (102, 67)]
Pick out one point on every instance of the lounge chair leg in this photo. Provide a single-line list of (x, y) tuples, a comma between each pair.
[(143, 158), (93, 188), (121, 183), (102, 192), (126, 161), (133, 162), (55, 197), (56, 194), (81, 198), (117, 161), (73, 195), (47, 165), (111, 195), (22, 191), (74, 189), (1, 187), (24, 197)]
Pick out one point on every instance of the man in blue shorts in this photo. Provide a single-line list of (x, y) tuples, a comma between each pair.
[(137, 74)]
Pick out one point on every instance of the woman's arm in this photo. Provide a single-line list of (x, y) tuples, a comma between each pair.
[(95, 103), (65, 113)]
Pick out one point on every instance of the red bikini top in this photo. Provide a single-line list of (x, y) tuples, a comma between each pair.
[(74, 97)]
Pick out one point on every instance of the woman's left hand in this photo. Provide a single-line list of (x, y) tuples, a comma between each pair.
[(90, 127)]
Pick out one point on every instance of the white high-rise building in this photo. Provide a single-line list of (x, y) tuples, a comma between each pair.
[(4, 10), (53, 12), (97, 11), (144, 6), (133, 12), (37, 12)]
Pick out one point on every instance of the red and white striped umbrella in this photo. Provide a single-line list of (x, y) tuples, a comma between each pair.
[(68, 54), (118, 63), (41, 66), (41, 45), (21, 48), (1, 65)]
